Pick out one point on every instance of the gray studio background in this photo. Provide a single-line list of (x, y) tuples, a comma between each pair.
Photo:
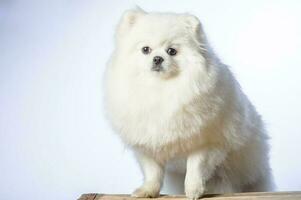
[(54, 140)]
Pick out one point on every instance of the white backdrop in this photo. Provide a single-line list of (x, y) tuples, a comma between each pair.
[(54, 140)]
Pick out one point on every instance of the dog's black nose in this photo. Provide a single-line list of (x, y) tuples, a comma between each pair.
[(158, 60)]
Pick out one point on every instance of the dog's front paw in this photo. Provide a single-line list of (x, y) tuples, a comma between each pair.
[(194, 191), (148, 190)]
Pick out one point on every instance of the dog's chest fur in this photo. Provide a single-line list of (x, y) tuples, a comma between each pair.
[(159, 119)]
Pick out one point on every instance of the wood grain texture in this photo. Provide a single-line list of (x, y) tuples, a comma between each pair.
[(236, 196)]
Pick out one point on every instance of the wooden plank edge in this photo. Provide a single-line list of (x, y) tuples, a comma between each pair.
[(90, 196), (296, 195)]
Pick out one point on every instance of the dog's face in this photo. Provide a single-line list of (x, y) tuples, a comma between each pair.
[(161, 45)]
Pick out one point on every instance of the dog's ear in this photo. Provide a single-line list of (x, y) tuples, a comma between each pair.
[(128, 20), (193, 25)]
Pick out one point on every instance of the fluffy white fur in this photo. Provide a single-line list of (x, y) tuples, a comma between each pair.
[(194, 110)]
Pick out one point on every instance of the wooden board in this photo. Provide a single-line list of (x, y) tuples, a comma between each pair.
[(236, 196)]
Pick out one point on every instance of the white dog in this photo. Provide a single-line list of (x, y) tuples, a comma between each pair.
[(170, 98)]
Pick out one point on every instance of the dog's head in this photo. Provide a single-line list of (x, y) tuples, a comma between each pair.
[(162, 45)]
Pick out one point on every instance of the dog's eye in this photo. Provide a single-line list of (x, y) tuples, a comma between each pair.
[(146, 50), (171, 51)]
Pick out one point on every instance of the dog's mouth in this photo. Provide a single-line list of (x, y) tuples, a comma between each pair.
[(165, 73), (157, 68)]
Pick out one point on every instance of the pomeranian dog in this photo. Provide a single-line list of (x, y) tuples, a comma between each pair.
[(171, 99)]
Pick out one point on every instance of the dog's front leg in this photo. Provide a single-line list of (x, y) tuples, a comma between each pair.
[(153, 176), (200, 167)]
